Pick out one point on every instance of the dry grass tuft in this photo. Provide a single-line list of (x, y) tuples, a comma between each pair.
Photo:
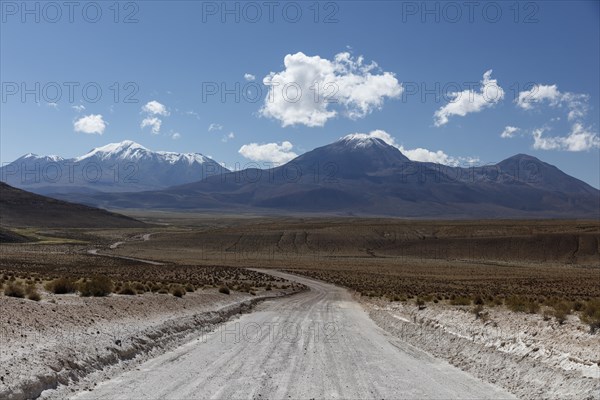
[(224, 290), (61, 286), (14, 290), (98, 286)]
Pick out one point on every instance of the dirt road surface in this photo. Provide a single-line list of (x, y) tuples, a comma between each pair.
[(316, 344)]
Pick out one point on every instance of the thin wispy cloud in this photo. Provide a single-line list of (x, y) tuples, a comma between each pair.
[(215, 127), (228, 137), (509, 132)]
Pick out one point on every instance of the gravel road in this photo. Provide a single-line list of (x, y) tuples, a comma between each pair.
[(316, 344)]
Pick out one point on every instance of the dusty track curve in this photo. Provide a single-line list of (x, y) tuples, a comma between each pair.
[(316, 344)]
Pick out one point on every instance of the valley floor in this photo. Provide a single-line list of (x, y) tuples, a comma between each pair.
[(389, 293)]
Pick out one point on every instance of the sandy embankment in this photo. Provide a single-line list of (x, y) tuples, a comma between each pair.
[(63, 338), (523, 353)]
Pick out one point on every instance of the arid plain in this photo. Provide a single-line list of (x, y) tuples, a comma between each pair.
[(513, 303)]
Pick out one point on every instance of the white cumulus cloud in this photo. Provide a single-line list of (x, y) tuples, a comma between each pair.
[(509, 131), (311, 89), (470, 101), (176, 136), (90, 124), (270, 152), (153, 122), (575, 103), (152, 109), (78, 108), (578, 139), (538, 94), (249, 77), (155, 108)]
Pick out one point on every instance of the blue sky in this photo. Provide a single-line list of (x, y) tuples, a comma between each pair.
[(544, 85)]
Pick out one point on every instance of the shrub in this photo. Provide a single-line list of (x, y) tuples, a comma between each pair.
[(61, 286), (224, 290), (561, 311), (98, 286), (162, 290), (33, 294), (522, 304), (155, 287), (127, 290), (190, 288), (178, 291), (14, 290), (140, 287), (460, 301), (547, 314), (479, 314), (591, 315), (420, 303)]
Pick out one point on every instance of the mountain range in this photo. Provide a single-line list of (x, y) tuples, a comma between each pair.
[(362, 175), (116, 167)]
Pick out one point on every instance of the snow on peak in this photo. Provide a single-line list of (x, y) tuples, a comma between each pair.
[(132, 151), (126, 149), (30, 155), (50, 158), (361, 140), (190, 158), (54, 158)]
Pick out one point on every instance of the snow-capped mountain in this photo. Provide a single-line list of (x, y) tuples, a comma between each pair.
[(354, 155), (359, 175), (115, 167)]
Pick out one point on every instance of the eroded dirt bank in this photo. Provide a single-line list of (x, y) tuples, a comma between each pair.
[(527, 355), (64, 338)]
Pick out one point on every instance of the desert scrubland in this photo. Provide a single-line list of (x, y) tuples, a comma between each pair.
[(513, 303)]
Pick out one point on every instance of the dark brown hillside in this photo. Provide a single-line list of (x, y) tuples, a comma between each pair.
[(19, 208)]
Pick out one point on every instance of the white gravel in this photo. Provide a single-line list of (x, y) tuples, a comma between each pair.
[(316, 344)]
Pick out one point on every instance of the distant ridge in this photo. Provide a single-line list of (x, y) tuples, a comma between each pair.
[(361, 175), (19, 208), (116, 167)]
